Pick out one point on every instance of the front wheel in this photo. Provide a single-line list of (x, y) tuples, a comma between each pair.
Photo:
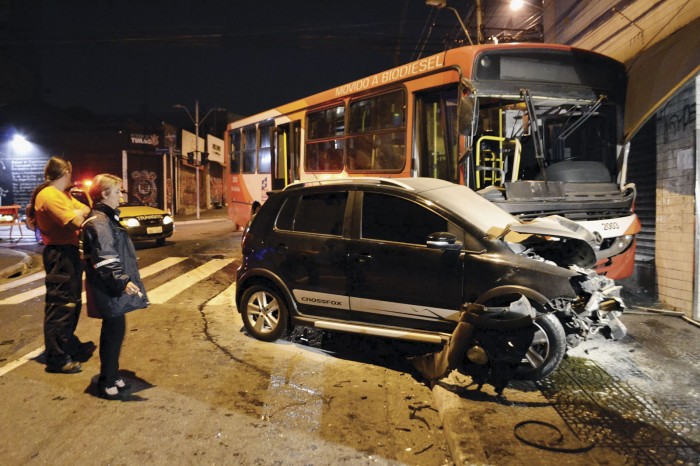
[(547, 349), (264, 313)]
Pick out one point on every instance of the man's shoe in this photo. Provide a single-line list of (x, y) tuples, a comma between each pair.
[(72, 367)]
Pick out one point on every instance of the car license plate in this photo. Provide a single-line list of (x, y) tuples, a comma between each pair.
[(154, 230)]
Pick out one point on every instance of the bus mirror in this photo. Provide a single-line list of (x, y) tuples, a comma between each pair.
[(465, 108)]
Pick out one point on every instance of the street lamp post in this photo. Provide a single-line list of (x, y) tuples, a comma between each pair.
[(197, 122)]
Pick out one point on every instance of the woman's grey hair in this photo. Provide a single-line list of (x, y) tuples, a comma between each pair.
[(101, 183)]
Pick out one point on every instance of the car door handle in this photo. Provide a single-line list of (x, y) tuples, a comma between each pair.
[(361, 258)]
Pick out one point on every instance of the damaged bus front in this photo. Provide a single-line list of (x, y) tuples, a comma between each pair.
[(544, 134)]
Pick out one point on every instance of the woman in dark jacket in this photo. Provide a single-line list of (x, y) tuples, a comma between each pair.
[(113, 284)]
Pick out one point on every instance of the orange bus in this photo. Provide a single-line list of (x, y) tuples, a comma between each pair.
[(535, 128)]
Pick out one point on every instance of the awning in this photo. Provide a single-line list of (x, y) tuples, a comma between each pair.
[(656, 74)]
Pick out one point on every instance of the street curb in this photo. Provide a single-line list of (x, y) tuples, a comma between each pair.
[(23, 263), (461, 436)]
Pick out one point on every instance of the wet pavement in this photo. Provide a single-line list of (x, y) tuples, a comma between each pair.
[(639, 396), (633, 401)]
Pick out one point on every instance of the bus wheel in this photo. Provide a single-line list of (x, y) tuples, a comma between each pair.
[(264, 313)]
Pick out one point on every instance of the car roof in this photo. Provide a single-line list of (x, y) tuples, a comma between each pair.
[(458, 199)]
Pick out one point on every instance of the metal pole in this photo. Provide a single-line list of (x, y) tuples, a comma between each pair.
[(196, 152)]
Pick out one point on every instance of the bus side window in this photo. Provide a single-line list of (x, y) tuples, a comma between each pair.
[(436, 138), (377, 133), (249, 146), (235, 162), (325, 146), (264, 150)]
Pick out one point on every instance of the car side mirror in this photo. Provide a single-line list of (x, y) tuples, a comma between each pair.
[(443, 240)]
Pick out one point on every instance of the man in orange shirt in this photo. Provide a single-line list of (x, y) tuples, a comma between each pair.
[(59, 216)]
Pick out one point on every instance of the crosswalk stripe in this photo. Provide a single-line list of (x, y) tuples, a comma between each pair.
[(160, 266), (22, 281), (26, 296), (41, 290), (225, 297), (18, 362), (174, 287)]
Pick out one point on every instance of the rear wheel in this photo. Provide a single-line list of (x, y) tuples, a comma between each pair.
[(264, 313)]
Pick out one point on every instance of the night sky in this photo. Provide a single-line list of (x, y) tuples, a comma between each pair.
[(130, 56)]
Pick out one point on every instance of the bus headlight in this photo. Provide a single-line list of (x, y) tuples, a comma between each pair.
[(624, 241)]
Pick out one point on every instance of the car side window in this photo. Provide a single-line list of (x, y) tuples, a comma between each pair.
[(318, 213), (392, 218)]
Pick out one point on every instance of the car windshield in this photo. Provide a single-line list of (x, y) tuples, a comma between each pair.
[(470, 206)]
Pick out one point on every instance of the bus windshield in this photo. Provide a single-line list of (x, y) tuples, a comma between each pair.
[(568, 135)]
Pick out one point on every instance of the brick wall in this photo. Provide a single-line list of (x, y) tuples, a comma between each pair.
[(675, 200)]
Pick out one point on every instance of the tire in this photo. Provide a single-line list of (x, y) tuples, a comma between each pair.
[(547, 349), (264, 313)]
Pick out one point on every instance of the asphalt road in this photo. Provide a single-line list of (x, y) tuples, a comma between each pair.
[(205, 392)]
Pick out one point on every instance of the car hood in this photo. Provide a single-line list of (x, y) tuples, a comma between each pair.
[(137, 211), (552, 238)]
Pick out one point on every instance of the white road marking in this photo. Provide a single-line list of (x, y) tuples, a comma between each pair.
[(22, 281), (161, 293), (41, 290), (227, 296), (18, 362), (174, 287)]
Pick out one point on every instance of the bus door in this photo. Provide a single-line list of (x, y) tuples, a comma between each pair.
[(436, 134), (285, 169)]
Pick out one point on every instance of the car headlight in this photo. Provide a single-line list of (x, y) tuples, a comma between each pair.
[(130, 223), (167, 220)]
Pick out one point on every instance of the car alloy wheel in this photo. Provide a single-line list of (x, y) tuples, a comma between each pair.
[(264, 313)]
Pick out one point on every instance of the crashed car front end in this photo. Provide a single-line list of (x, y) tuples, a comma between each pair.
[(558, 241)]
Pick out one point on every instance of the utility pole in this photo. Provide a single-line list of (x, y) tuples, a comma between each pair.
[(197, 122)]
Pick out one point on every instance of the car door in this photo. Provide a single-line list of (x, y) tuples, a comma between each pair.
[(311, 251), (394, 277)]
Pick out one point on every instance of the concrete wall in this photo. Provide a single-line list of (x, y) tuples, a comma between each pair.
[(675, 199)]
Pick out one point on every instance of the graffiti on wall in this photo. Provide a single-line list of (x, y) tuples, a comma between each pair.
[(216, 186), (677, 120), (144, 187)]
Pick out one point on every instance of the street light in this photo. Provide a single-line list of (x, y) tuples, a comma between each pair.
[(197, 122), (20, 144)]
